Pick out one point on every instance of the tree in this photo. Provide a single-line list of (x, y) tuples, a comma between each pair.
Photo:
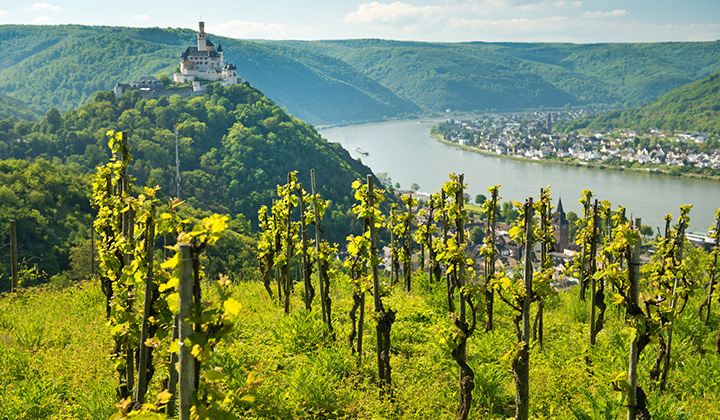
[(414, 187), (477, 235), (385, 180), (480, 199), (53, 119), (572, 219), (646, 231), (164, 78)]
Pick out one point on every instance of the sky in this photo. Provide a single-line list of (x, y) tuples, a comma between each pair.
[(577, 21)]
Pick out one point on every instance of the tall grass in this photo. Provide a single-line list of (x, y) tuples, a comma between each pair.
[(54, 363)]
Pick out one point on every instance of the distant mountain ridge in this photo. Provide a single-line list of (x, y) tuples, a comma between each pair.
[(330, 82), (692, 107)]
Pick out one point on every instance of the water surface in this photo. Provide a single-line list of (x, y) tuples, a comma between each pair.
[(409, 154)]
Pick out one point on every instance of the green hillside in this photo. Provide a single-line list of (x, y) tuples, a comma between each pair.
[(692, 107), (356, 80), (69, 63), (236, 146), (13, 108), (481, 76)]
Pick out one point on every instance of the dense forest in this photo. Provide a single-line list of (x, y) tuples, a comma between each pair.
[(694, 107), (485, 76), (13, 108), (235, 147), (356, 80), (73, 62)]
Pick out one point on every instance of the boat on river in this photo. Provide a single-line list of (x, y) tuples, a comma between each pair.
[(361, 152)]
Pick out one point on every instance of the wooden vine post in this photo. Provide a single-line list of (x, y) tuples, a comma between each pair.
[(385, 318), (677, 258), (266, 248), (407, 240), (585, 201), (394, 265), (592, 267), (443, 245), (13, 255), (490, 208), (466, 374), (521, 364), (324, 303), (634, 292), (431, 229), (359, 250), (143, 380), (185, 302), (305, 266), (287, 278), (545, 235)]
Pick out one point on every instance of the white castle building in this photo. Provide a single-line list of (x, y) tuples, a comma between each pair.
[(204, 62)]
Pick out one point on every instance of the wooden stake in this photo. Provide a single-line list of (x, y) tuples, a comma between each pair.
[(323, 302), (680, 240), (634, 280), (141, 387), (591, 272), (185, 302)]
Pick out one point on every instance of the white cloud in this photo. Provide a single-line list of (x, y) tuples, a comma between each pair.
[(245, 29), (614, 13), (43, 19), (487, 7), (4, 13), (562, 4), (45, 7), (397, 12), (515, 24), (140, 17)]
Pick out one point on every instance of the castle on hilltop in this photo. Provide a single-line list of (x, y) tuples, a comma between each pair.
[(204, 62), (197, 64)]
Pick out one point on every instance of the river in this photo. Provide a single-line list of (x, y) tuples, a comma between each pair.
[(409, 154)]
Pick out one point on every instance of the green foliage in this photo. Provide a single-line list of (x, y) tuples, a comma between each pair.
[(356, 80), (16, 109), (66, 375), (691, 107), (501, 76), (231, 159), (314, 87), (50, 204)]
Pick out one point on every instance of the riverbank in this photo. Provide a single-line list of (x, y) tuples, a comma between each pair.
[(652, 171)]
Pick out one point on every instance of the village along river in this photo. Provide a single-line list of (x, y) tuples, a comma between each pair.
[(406, 151)]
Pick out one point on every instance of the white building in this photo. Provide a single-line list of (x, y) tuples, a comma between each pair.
[(204, 62)]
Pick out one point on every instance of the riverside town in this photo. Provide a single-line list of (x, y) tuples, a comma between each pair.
[(532, 136)]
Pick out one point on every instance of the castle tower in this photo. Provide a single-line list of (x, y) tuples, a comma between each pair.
[(201, 39), (561, 228)]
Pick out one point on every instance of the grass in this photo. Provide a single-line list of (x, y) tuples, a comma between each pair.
[(54, 363)]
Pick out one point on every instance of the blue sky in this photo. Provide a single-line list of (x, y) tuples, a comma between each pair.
[(580, 21)]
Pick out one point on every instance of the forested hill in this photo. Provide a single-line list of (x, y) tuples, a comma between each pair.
[(693, 107), (62, 66), (13, 108), (236, 146), (481, 76), (356, 80)]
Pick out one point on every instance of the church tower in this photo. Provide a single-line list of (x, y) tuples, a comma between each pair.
[(561, 228), (202, 40), (548, 125)]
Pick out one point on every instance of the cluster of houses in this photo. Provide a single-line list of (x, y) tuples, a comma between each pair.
[(531, 136), (510, 254)]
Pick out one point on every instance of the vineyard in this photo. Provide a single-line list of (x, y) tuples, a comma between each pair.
[(433, 335)]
